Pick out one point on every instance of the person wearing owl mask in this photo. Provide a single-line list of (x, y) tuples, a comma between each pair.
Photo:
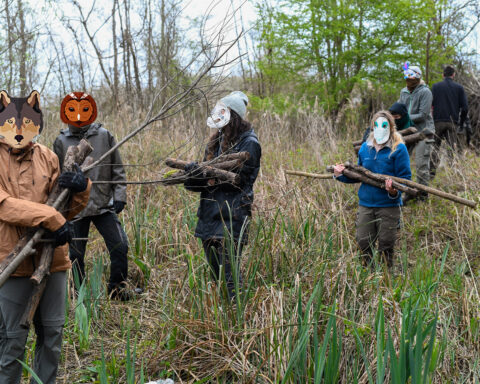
[(28, 173), (378, 216), (418, 99), (225, 209), (79, 111)]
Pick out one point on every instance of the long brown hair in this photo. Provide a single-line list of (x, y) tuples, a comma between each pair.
[(230, 135), (395, 137)]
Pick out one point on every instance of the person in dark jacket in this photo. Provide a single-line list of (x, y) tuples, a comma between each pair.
[(106, 200), (225, 209), (450, 109), (379, 209)]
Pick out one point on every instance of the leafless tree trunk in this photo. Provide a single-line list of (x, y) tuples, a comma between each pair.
[(10, 46), (115, 54), (22, 54)]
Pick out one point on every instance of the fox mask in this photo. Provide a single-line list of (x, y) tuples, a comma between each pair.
[(21, 120), (78, 109)]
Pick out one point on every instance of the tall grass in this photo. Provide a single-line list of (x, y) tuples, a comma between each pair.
[(307, 312)]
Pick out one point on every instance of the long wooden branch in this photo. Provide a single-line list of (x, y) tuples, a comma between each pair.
[(326, 176), (382, 178), (373, 179), (75, 155), (205, 172), (424, 188)]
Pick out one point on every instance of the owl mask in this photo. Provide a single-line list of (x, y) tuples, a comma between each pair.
[(78, 109)]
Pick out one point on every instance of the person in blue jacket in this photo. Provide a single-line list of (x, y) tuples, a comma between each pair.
[(225, 209), (379, 209)]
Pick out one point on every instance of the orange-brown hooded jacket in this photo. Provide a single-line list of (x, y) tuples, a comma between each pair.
[(26, 180)]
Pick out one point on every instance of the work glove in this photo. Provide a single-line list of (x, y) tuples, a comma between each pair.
[(62, 235), (75, 181), (118, 206), (192, 169)]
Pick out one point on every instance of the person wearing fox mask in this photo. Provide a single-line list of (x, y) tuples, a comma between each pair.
[(225, 209), (28, 173), (79, 111)]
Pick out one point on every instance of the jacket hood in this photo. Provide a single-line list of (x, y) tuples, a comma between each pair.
[(250, 133)]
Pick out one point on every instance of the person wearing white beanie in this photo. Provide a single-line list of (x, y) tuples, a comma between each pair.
[(225, 209)]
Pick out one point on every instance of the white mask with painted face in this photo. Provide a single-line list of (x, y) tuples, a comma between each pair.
[(381, 130), (219, 117)]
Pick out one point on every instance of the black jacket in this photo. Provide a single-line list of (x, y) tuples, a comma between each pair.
[(449, 101), (224, 207)]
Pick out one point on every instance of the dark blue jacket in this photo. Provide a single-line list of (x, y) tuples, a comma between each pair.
[(449, 101), (224, 207), (384, 162)]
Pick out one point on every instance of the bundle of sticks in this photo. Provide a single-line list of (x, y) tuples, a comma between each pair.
[(357, 172), (410, 136), (221, 168), (26, 246)]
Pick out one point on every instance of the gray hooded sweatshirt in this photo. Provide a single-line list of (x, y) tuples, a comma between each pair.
[(111, 169), (419, 104)]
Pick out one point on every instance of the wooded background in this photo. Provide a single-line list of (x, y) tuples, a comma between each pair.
[(327, 53)]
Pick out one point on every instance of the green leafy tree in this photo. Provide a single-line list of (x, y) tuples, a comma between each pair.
[(324, 48)]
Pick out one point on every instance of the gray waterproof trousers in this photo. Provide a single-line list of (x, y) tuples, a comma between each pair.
[(48, 321), (423, 151)]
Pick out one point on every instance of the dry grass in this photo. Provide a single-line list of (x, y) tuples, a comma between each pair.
[(302, 245)]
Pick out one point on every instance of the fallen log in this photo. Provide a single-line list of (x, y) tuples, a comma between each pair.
[(404, 132), (421, 187)]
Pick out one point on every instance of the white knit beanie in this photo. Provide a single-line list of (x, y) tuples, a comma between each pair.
[(237, 101)]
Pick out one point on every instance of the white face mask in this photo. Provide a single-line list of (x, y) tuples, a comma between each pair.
[(219, 117), (381, 130)]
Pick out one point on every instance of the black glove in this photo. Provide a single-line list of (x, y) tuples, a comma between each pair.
[(192, 169), (75, 181), (118, 206), (63, 235)]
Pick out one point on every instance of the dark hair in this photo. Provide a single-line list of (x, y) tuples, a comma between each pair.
[(231, 133), (448, 71)]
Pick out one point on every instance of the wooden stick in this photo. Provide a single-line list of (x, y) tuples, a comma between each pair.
[(32, 305), (382, 178), (312, 175), (359, 176), (404, 132), (205, 172), (424, 188), (41, 274)]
